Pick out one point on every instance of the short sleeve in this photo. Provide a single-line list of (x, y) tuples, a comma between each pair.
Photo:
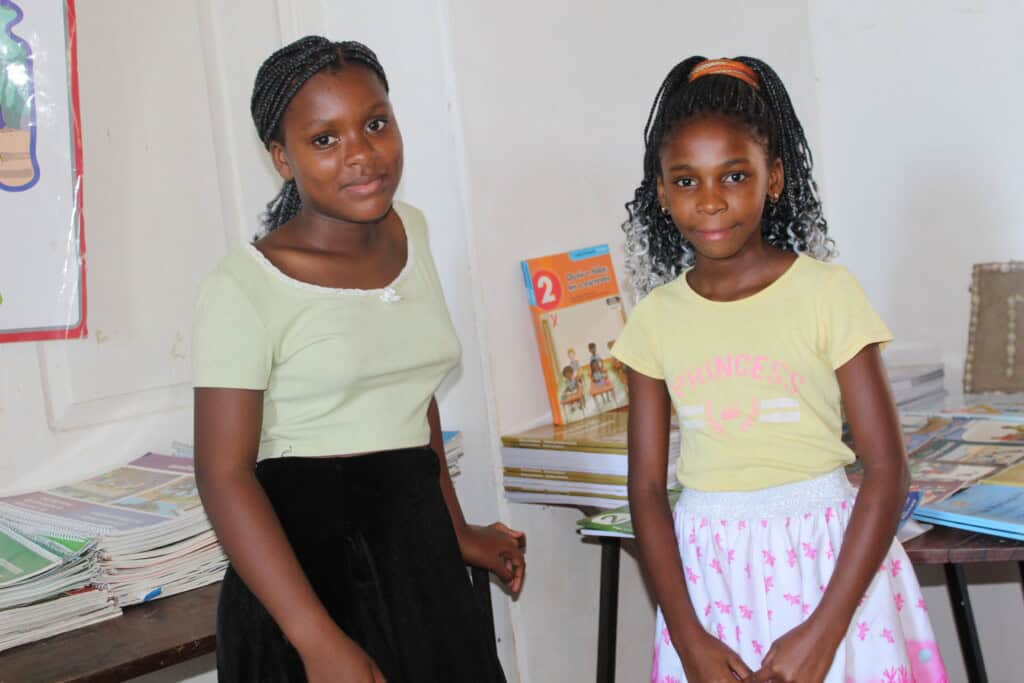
[(637, 346), (230, 345), (848, 320)]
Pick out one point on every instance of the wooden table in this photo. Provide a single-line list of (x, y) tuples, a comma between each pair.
[(146, 638), (953, 549), (949, 547)]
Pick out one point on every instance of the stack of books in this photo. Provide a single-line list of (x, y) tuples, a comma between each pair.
[(46, 587), (582, 463), (916, 384), (993, 506), (151, 536), (969, 461)]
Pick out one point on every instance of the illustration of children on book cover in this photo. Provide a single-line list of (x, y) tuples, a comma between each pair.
[(577, 315)]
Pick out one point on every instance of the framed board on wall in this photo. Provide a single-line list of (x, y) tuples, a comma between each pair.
[(42, 238)]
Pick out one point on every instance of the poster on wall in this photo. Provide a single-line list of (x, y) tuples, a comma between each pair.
[(42, 240)]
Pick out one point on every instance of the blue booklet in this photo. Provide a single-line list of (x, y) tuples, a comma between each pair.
[(984, 508)]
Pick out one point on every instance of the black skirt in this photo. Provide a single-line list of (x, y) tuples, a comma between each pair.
[(374, 537)]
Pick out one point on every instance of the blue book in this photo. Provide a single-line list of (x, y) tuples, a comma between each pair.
[(984, 508), (913, 498)]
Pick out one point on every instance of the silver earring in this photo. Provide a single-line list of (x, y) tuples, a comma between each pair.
[(664, 211)]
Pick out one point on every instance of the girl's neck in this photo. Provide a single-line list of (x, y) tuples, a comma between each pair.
[(739, 276), (349, 238)]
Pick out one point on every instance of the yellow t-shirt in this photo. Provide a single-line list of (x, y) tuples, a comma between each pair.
[(342, 370), (753, 381)]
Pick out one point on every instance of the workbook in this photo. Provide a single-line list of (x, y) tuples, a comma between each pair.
[(577, 315)]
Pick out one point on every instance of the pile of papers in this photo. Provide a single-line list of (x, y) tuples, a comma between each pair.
[(582, 463), (453, 451), (151, 536), (46, 587), (915, 384)]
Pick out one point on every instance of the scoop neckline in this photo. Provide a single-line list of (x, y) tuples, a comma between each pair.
[(773, 285), (387, 292)]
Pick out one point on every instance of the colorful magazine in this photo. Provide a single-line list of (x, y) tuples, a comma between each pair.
[(577, 315)]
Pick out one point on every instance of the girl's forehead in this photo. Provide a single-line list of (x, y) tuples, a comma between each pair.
[(707, 138), (350, 89)]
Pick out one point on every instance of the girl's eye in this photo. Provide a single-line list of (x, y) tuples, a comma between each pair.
[(377, 125), (736, 177), (685, 182), (324, 140)]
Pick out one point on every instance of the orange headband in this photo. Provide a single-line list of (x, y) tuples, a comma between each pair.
[(726, 67)]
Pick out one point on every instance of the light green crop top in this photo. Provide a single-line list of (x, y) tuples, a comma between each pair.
[(343, 371)]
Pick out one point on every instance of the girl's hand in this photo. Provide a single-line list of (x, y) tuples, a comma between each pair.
[(706, 659), (498, 549), (336, 658), (803, 655)]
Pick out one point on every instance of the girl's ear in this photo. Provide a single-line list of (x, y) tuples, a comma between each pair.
[(280, 159), (776, 178), (661, 191)]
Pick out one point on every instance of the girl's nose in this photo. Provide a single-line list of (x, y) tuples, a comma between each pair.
[(710, 201), (358, 150)]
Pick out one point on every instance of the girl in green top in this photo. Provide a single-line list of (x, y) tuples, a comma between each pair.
[(319, 455)]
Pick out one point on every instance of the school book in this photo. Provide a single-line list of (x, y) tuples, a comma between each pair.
[(993, 509), (577, 315), (1011, 476), (583, 463)]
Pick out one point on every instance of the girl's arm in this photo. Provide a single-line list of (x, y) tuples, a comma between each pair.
[(496, 547), (227, 431), (806, 652), (876, 432), (703, 656)]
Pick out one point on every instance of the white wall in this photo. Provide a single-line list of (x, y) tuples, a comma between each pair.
[(921, 138), (920, 108)]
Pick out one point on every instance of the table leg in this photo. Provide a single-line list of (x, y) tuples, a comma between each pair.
[(608, 615), (966, 630)]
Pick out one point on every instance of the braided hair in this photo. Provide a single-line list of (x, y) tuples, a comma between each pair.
[(277, 81), (656, 253)]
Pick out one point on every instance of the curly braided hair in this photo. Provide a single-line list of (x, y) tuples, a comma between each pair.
[(655, 251)]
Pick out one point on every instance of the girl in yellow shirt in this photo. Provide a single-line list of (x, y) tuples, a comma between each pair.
[(770, 568)]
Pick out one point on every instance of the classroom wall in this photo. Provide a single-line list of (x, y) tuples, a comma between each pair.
[(919, 157), (523, 132)]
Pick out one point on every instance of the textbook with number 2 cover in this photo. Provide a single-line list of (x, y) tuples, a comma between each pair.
[(577, 315)]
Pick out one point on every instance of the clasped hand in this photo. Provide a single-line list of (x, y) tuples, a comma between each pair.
[(498, 549)]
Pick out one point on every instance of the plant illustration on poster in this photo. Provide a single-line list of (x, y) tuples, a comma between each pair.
[(42, 243)]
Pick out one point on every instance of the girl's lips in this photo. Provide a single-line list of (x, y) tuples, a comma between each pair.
[(368, 187), (714, 235)]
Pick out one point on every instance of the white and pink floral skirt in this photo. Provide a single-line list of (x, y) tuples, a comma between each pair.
[(758, 562)]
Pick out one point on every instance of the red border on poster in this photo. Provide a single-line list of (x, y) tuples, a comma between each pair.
[(80, 330)]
